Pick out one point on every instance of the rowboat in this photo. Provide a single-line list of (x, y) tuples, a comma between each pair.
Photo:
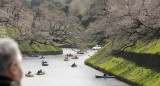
[(104, 76), (29, 75), (69, 55), (73, 65), (79, 52), (34, 56), (45, 64), (66, 59), (23, 55), (75, 58), (42, 57), (41, 73)]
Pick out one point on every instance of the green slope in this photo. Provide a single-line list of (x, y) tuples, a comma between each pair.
[(25, 45), (129, 70)]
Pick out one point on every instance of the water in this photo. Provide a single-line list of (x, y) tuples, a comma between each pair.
[(59, 72)]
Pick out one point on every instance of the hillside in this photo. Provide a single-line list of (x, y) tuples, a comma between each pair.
[(50, 20), (138, 64)]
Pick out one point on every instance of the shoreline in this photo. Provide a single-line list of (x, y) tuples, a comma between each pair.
[(42, 53), (109, 73)]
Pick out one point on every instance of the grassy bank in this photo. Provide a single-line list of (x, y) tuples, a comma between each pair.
[(152, 47), (128, 69), (37, 46)]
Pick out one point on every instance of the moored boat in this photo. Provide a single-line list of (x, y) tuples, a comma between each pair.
[(97, 47), (104, 76), (34, 56), (24, 55)]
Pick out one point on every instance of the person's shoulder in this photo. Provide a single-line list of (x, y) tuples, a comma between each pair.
[(6, 81)]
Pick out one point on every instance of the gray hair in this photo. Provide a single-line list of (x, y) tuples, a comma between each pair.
[(9, 52)]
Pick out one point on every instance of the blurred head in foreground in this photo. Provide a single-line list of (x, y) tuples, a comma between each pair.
[(10, 61)]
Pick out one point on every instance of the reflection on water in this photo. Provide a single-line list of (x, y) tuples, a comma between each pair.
[(59, 72)]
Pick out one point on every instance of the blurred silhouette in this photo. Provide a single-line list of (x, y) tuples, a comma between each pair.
[(10, 63)]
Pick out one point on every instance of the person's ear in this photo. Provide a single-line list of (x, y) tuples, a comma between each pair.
[(13, 70), (15, 73)]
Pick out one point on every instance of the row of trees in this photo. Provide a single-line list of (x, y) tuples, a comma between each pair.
[(126, 21), (37, 22)]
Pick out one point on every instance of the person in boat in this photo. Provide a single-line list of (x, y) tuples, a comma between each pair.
[(74, 64), (29, 72), (40, 71), (76, 57), (41, 57), (70, 54), (44, 61), (10, 63), (66, 57), (105, 74), (80, 51)]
